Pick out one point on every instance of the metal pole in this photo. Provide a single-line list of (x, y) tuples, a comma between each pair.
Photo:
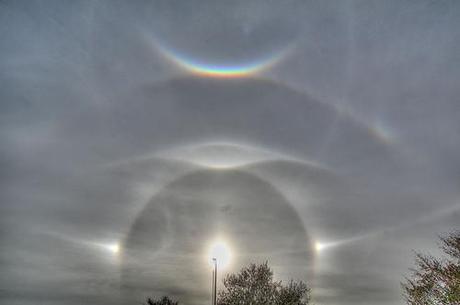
[(212, 288), (214, 292)]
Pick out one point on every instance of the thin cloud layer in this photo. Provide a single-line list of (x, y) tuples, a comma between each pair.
[(118, 166)]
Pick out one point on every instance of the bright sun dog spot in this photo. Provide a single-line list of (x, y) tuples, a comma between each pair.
[(319, 246), (113, 248)]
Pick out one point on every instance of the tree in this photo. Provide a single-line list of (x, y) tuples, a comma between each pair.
[(436, 281), (163, 301), (254, 285)]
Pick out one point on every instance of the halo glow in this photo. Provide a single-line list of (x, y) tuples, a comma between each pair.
[(221, 252)]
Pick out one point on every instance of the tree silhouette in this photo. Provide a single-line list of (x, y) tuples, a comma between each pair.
[(162, 301), (254, 285), (436, 281)]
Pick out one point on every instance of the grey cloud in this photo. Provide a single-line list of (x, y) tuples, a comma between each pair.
[(352, 136)]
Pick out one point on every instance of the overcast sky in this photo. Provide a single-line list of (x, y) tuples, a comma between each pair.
[(333, 154)]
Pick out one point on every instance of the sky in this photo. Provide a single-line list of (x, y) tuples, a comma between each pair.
[(320, 136)]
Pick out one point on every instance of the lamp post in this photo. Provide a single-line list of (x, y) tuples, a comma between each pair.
[(214, 282)]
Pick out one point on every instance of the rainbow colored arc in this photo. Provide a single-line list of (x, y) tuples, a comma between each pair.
[(221, 71)]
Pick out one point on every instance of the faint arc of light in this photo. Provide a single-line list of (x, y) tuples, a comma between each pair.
[(227, 155), (321, 246), (219, 155)]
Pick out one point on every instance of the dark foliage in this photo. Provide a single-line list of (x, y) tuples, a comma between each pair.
[(436, 281), (254, 285), (163, 301)]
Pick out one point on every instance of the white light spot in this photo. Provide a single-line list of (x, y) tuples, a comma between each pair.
[(319, 246), (221, 252), (114, 248)]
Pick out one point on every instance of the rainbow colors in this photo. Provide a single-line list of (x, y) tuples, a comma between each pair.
[(222, 71)]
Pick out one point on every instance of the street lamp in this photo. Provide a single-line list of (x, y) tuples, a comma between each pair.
[(219, 254)]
